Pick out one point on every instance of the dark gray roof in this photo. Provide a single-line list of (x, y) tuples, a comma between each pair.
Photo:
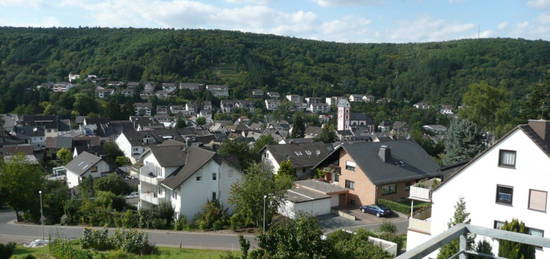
[(169, 155), (408, 161), (82, 163), (300, 194), (301, 155), (320, 186), (195, 159), (359, 116), (58, 142)]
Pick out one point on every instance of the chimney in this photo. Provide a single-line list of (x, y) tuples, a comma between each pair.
[(384, 153), (542, 128)]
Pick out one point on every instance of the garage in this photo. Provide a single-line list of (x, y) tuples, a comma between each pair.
[(299, 200)]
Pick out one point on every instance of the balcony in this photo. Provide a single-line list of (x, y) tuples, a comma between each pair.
[(420, 225), (149, 197), (153, 180), (422, 191)]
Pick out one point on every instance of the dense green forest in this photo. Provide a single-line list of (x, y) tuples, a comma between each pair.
[(438, 72)]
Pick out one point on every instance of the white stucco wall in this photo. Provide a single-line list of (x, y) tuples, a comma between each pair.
[(269, 160), (124, 146), (477, 185), (314, 208), (74, 179)]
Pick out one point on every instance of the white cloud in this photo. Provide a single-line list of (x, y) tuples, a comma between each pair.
[(429, 29), (346, 29), (502, 25), (539, 3), (327, 3), (544, 18), (258, 2), (23, 3), (47, 21)]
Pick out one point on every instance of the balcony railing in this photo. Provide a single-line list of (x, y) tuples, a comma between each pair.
[(419, 225), (149, 197), (150, 179), (420, 194)]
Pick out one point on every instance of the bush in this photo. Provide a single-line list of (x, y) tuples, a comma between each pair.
[(96, 239), (213, 216), (180, 223), (400, 207), (133, 242), (63, 249), (6, 250), (130, 219), (387, 227)]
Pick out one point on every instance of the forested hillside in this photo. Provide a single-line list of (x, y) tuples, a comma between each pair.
[(435, 72)]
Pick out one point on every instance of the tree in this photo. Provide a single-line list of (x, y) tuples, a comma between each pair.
[(85, 104), (54, 196), (487, 106), (299, 238), (247, 196), (111, 152), (509, 249), (482, 247), (460, 216), (262, 141), (327, 134), (298, 126), (200, 121), (348, 245), (20, 184), (464, 141), (180, 123), (238, 149), (112, 183), (537, 104), (65, 155), (286, 168)]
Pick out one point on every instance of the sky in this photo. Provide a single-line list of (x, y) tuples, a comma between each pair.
[(330, 20)]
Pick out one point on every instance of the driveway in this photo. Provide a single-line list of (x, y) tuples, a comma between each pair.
[(10, 231), (330, 223)]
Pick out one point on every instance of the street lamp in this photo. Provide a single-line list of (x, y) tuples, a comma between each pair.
[(265, 197), (41, 214)]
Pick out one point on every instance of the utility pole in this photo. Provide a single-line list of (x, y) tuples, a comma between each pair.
[(41, 214)]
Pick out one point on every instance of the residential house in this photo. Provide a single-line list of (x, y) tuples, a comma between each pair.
[(303, 156), (115, 83), (355, 98), (143, 109), (509, 180), (128, 92), (318, 108), (333, 101), (295, 99), (246, 105), (369, 98), (162, 110), (446, 109), (62, 87), (422, 106), (227, 106), (132, 85), (272, 104), (384, 126), (191, 86), (400, 129), (361, 120), (192, 107), (218, 90), (32, 135), (312, 132), (310, 100), (177, 109), (54, 144), (170, 88), (186, 177), (9, 152), (258, 93), (206, 106), (373, 171), (273, 95), (162, 94), (435, 129), (83, 166), (73, 77), (104, 93), (142, 123)]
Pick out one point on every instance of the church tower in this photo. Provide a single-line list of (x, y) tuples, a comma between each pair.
[(343, 114)]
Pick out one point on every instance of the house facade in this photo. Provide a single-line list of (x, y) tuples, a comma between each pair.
[(507, 181), (185, 177), (83, 166)]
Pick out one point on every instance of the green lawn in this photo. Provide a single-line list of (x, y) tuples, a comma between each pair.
[(164, 253)]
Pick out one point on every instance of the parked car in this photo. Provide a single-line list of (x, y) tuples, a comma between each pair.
[(132, 195), (378, 210)]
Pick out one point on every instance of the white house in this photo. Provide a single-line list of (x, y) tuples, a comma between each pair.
[(354, 98), (508, 180), (272, 104), (218, 90), (318, 107), (303, 156), (85, 165), (185, 177), (132, 143)]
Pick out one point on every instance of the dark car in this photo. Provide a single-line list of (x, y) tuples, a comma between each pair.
[(378, 210)]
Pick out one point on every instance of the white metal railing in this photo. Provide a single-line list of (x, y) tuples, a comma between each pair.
[(149, 197), (149, 179), (420, 225), (420, 193)]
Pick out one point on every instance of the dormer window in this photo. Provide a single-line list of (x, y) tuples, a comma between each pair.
[(507, 158)]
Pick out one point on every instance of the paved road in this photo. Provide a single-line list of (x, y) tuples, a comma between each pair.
[(10, 231)]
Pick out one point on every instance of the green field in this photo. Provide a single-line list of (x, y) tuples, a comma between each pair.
[(164, 253)]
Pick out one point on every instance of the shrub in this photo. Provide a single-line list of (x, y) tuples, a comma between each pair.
[(130, 219), (213, 216), (180, 223), (133, 242), (96, 239), (387, 227), (62, 249), (400, 207), (6, 250)]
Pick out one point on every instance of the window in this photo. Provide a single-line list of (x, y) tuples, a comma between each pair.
[(350, 184), (174, 195), (388, 189), (507, 158), (498, 224), (198, 178), (213, 196), (537, 233), (350, 165), (537, 200), (504, 194), (214, 176), (336, 177), (93, 169)]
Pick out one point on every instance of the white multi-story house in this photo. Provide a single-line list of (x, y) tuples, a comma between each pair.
[(272, 104), (295, 99), (83, 166), (185, 177), (354, 98), (509, 180), (318, 107)]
